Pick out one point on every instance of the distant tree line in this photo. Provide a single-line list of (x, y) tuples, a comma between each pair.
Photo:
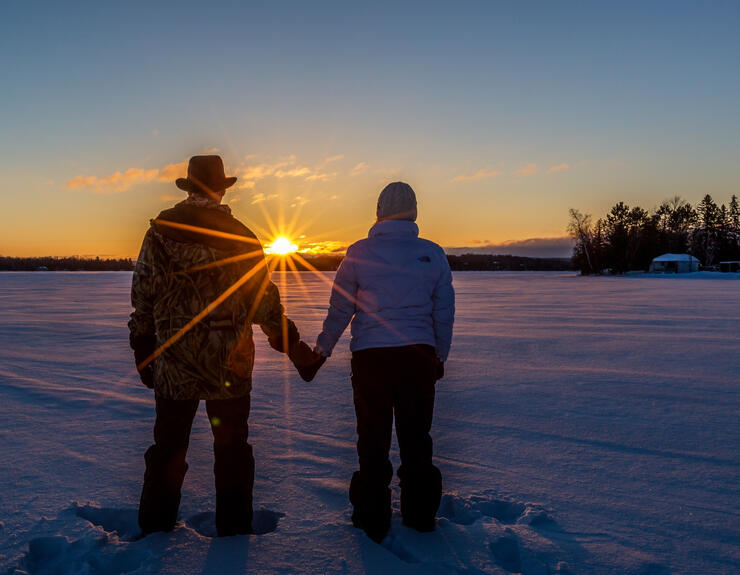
[(465, 262), (484, 262), (321, 262), (65, 264), (629, 238)]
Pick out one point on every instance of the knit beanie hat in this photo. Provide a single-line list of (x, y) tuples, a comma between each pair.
[(397, 201)]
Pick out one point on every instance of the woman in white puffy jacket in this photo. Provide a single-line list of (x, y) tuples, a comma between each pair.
[(396, 289)]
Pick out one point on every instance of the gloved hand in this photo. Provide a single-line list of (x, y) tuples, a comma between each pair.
[(305, 360), (144, 346), (147, 376), (276, 338), (440, 367)]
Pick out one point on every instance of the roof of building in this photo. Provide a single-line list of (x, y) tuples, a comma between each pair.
[(676, 258)]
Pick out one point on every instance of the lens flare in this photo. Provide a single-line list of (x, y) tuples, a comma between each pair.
[(281, 245)]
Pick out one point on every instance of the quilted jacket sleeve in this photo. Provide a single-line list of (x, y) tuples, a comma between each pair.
[(142, 335), (443, 313), (342, 306), (267, 312), (141, 324)]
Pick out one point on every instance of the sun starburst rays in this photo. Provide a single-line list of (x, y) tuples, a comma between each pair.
[(283, 255)]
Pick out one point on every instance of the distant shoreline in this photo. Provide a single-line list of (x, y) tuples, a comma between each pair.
[(321, 262)]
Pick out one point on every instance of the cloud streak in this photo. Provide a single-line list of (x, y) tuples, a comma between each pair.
[(260, 197), (559, 168), (286, 168), (483, 174), (528, 170), (248, 176), (360, 168), (122, 181)]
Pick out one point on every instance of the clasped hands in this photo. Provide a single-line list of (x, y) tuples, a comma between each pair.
[(307, 361)]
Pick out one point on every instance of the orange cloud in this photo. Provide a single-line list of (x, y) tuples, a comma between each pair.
[(116, 182), (122, 181), (173, 171), (248, 175), (259, 198), (331, 160), (479, 175), (559, 168), (528, 170), (288, 168), (360, 168), (322, 247)]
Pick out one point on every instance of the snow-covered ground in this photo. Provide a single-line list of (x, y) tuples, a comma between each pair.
[(585, 425)]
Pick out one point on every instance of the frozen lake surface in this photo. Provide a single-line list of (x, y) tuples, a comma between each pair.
[(585, 425)]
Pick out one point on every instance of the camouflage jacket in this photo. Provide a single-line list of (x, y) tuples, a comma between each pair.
[(199, 284)]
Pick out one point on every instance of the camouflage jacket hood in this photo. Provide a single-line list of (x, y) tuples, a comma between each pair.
[(200, 282)]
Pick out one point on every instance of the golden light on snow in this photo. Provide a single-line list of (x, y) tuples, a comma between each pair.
[(281, 245)]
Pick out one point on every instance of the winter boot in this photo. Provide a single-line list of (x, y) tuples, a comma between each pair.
[(160, 494), (421, 492), (371, 508), (234, 471)]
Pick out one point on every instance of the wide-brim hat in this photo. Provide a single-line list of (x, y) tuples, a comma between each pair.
[(205, 176)]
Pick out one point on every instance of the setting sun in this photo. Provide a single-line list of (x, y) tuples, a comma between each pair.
[(281, 246)]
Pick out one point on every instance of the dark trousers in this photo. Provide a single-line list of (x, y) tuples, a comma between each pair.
[(166, 466), (386, 382)]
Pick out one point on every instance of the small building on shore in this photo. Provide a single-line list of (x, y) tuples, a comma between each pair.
[(674, 264)]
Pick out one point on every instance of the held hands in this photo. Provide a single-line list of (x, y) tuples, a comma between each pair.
[(306, 361)]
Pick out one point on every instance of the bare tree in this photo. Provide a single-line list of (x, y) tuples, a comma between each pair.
[(579, 227)]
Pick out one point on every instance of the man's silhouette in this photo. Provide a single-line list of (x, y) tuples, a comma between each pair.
[(200, 283)]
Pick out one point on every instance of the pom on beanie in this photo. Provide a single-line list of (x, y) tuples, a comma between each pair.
[(397, 201)]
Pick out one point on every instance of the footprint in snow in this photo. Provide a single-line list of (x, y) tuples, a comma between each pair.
[(57, 554), (505, 550), (264, 521), (466, 511), (124, 522), (480, 533)]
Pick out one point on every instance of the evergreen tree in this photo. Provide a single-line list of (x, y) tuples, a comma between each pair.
[(704, 238), (733, 216)]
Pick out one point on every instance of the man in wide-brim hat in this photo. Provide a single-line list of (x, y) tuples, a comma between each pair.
[(206, 178), (194, 255)]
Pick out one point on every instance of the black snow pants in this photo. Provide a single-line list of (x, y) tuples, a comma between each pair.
[(400, 381), (166, 466)]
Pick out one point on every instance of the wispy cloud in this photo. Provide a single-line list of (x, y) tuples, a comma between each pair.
[(528, 170), (248, 175), (479, 175), (173, 171), (286, 168), (260, 197), (360, 168), (116, 182), (330, 160), (558, 168), (322, 247), (122, 181), (299, 201)]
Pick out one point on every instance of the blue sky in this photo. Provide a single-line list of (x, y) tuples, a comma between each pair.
[(500, 115)]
